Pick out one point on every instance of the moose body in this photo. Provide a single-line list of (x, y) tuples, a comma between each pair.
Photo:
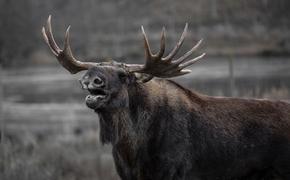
[(169, 132), (161, 130)]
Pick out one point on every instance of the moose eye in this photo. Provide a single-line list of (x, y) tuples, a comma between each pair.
[(122, 75), (98, 81)]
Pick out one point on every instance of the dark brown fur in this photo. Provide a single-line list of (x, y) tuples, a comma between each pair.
[(169, 132)]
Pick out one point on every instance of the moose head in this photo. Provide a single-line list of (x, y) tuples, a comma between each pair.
[(108, 82)]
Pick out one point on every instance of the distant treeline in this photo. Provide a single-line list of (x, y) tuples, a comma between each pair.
[(111, 28)]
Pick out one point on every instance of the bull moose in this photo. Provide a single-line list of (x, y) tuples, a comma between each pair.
[(161, 130)]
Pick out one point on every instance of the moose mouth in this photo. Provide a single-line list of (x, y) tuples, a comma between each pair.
[(96, 98)]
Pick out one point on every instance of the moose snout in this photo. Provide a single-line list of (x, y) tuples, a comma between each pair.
[(92, 84)]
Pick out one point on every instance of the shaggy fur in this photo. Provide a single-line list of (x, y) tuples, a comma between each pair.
[(165, 131)]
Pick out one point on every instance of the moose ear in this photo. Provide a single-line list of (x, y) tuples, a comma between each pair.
[(127, 78), (142, 77), (122, 76)]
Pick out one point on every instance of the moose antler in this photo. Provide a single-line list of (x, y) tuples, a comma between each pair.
[(65, 56), (156, 65), (165, 67)]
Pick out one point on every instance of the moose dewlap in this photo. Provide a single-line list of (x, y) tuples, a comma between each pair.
[(161, 130)]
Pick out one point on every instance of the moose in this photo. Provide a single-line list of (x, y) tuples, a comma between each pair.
[(159, 129)]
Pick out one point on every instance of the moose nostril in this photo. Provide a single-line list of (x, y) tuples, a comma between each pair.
[(84, 83), (98, 81)]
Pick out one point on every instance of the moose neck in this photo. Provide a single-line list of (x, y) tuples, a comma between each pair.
[(130, 123), (122, 124)]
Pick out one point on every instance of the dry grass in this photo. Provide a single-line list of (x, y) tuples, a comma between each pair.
[(81, 159)]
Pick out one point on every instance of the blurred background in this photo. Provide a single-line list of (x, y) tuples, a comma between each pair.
[(48, 133)]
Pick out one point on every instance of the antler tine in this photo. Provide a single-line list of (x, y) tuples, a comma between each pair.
[(47, 41), (67, 49), (192, 61), (162, 44), (178, 73), (148, 53), (50, 37), (186, 55), (178, 45)]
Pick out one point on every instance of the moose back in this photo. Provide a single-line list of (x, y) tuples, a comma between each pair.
[(161, 130)]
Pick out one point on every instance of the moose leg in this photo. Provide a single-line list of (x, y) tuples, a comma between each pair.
[(122, 169)]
